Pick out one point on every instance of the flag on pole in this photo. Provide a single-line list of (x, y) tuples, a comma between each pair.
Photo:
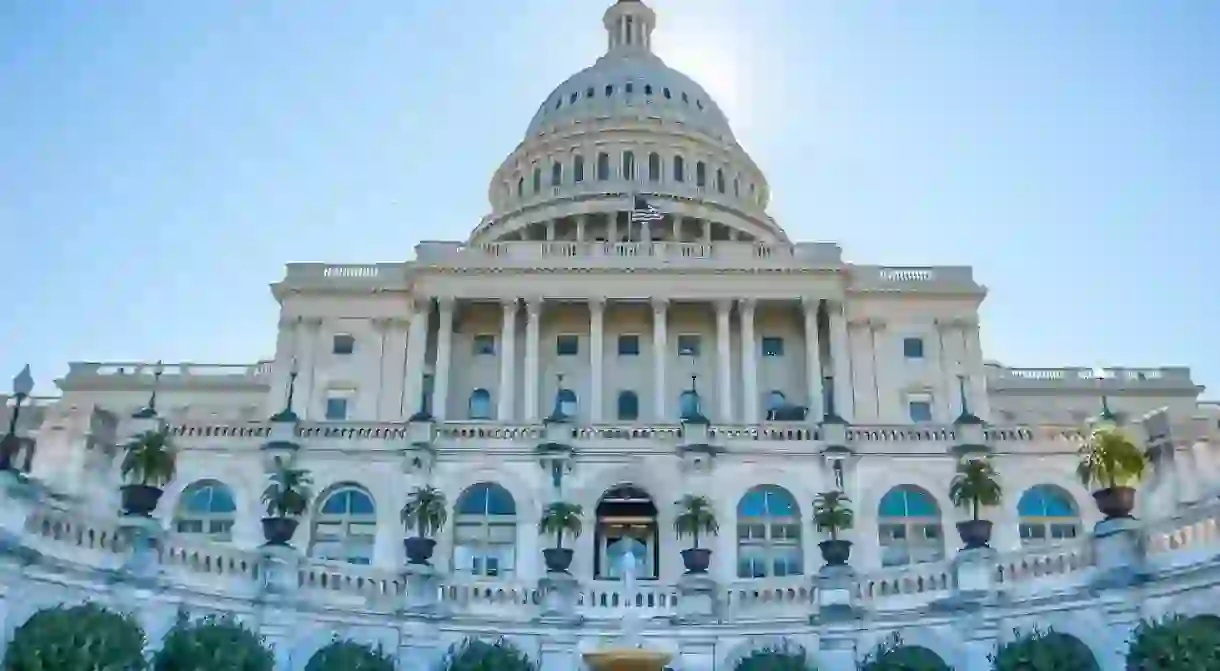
[(642, 211)]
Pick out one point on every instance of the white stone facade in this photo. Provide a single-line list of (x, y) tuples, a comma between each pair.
[(560, 299)]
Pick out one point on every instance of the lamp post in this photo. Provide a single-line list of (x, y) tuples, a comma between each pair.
[(23, 384)]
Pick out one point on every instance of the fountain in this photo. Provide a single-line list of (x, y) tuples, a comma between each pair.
[(630, 654)]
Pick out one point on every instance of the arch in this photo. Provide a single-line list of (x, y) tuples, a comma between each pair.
[(909, 527), (744, 649), (485, 531), (914, 657), (206, 508), (776, 400), (626, 512), (768, 533), (568, 402), (480, 404), (1047, 513), (344, 525), (921, 645), (628, 405), (688, 404), (654, 167)]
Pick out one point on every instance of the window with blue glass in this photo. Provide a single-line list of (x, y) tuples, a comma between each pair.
[(920, 410), (776, 401), (772, 346), (628, 405), (1047, 514), (345, 526), (912, 348), (768, 534), (484, 345), (206, 509), (480, 404), (567, 345), (567, 402), (343, 343), (909, 527), (485, 532), (578, 168), (688, 345), (603, 166), (336, 407), (688, 403), (629, 345)]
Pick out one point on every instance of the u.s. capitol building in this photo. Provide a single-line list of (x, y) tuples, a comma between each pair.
[(625, 327)]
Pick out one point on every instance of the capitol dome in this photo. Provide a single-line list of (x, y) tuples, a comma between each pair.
[(628, 130)]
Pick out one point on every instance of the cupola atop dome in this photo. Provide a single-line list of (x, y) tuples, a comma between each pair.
[(630, 24)]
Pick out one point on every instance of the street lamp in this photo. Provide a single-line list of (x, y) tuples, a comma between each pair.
[(23, 384)]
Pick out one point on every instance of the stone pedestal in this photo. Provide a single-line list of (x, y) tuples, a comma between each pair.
[(281, 444), (1118, 554), (560, 592), (557, 651), (974, 574), (279, 568), (141, 535), (697, 598), (423, 588), (836, 592)]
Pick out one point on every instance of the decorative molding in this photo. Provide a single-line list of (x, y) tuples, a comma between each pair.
[(659, 305)]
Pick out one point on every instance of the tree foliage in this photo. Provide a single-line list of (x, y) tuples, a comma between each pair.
[(892, 654), (976, 484), (782, 657), (559, 518), (343, 655), (476, 655), (288, 491), (1175, 643), (78, 638), (425, 511), (212, 643), (832, 512), (1111, 459), (150, 459), (696, 515), (1043, 650)]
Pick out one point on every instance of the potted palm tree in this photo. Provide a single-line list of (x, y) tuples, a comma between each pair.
[(149, 463), (832, 513), (559, 518), (696, 515), (976, 484), (1110, 459), (287, 498), (425, 513)]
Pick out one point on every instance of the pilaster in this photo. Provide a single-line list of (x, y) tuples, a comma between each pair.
[(309, 333), (840, 360), (508, 355), (533, 311), (394, 378), (597, 358), (660, 352), (724, 360), (749, 362), (813, 359), (444, 355), (417, 347)]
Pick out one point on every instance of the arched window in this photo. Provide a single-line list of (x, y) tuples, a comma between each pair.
[(719, 180), (909, 526), (628, 405), (626, 516), (654, 167), (485, 531), (628, 165), (736, 188), (768, 534), (700, 174), (776, 400), (345, 527), (480, 404), (578, 168), (688, 403), (603, 166), (520, 186), (567, 402), (556, 173), (537, 179), (206, 509), (1047, 514), (679, 169)]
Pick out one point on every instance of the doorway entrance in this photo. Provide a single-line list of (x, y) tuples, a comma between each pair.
[(626, 512)]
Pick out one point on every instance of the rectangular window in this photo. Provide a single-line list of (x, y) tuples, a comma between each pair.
[(688, 345), (485, 345), (921, 411), (336, 408), (567, 345), (343, 343), (629, 345), (912, 348), (772, 346), (578, 169)]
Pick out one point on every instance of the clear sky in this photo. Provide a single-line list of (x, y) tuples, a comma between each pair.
[(161, 160)]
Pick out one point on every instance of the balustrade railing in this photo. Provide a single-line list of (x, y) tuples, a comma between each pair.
[(900, 587)]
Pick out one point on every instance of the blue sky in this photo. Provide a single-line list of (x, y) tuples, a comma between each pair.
[(160, 161)]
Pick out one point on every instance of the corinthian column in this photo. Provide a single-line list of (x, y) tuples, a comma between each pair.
[(597, 313), (533, 311), (660, 350), (749, 362), (813, 358), (444, 348), (724, 360), (508, 354)]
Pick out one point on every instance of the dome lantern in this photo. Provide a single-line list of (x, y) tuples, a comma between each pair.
[(629, 24)]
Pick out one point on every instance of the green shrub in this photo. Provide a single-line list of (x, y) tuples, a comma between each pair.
[(783, 657), (475, 655), (1175, 643), (892, 655), (341, 655), (1043, 650), (79, 638), (212, 643)]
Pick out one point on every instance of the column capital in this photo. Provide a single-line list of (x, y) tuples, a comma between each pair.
[(533, 306), (446, 303), (399, 323), (660, 304), (723, 305), (597, 304), (810, 304), (746, 305), (419, 304), (510, 305), (311, 323), (381, 324), (835, 307)]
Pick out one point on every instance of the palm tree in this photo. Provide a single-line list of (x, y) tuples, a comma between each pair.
[(832, 512), (288, 491), (976, 484), (1111, 459), (559, 518), (150, 459), (425, 511), (697, 516)]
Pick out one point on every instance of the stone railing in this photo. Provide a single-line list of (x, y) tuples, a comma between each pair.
[(142, 372), (1046, 567), (770, 599), (903, 587), (1102, 378)]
